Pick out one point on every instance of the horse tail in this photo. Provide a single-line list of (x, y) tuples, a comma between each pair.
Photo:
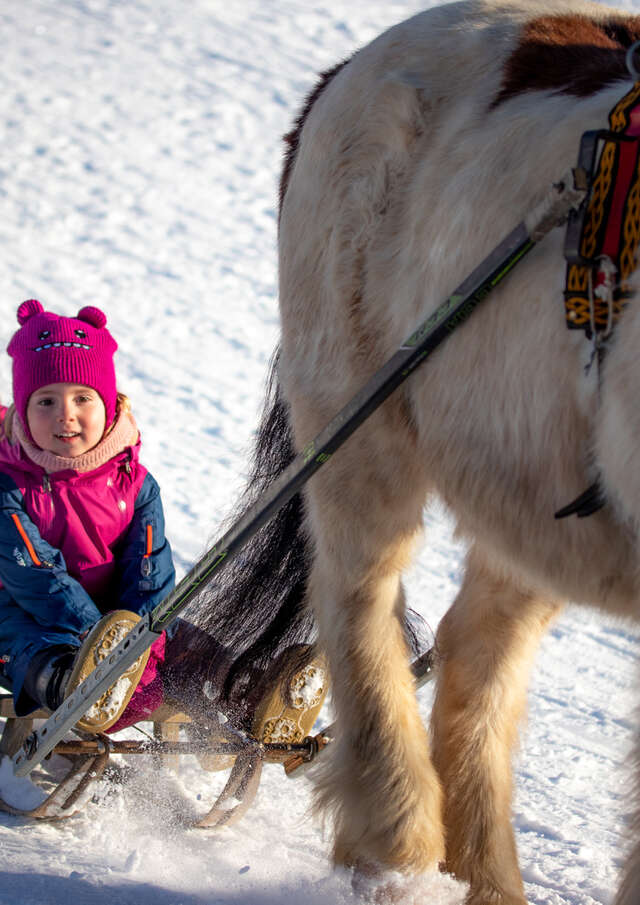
[(255, 608)]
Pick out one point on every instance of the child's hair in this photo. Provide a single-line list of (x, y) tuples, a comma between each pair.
[(123, 405)]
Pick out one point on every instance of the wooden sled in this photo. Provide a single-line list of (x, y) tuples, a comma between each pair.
[(89, 756)]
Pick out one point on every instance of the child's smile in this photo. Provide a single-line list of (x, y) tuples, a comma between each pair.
[(65, 418)]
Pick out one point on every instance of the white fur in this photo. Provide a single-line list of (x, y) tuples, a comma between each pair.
[(403, 181)]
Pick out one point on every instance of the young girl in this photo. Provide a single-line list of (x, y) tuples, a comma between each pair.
[(81, 521), (82, 548)]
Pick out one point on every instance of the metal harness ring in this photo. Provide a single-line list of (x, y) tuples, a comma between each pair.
[(631, 52)]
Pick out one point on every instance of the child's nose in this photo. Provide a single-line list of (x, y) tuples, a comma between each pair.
[(67, 411)]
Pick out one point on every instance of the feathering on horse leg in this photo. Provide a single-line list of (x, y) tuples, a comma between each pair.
[(485, 643), (380, 786)]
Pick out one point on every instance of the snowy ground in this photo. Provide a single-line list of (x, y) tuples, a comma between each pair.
[(138, 171)]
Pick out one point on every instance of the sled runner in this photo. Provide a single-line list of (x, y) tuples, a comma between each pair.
[(90, 755), (224, 747)]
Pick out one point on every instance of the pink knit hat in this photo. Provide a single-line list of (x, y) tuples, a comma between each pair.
[(49, 348)]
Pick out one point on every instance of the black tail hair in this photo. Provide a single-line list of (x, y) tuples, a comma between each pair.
[(256, 608)]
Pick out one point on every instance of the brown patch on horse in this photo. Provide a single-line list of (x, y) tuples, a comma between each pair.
[(569, 54), (292, 138)]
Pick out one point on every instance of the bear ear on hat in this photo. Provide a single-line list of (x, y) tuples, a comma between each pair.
[(28, 310), (93, 316)]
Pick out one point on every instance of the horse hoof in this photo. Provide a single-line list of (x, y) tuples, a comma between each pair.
[(375, 885)]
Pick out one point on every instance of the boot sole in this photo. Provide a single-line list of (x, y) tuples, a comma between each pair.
[(99, 643), (283, 719), (290, 718)]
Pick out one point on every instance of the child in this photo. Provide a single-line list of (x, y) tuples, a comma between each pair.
[(81, 521), (82, 535)]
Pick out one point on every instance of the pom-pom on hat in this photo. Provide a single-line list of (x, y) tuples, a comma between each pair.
[(49, 348)]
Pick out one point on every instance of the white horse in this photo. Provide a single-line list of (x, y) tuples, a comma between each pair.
[(408, 164)]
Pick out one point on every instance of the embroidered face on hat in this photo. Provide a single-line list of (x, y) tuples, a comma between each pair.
[(50, 348)]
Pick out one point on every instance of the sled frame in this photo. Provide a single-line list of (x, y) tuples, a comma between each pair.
[(89, 757)]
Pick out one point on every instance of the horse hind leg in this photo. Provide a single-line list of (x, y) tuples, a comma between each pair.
[(380, 787), (486, 643)]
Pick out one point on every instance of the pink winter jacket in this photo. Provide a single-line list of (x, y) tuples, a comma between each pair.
[(84, 515), (75, 543)]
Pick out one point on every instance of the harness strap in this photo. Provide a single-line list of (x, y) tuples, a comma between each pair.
[(602, 240), (596, 292)]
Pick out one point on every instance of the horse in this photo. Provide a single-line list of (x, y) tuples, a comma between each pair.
[(407, 165)]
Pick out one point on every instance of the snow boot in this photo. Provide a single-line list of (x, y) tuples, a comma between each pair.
[(101, 640), (48, 674)]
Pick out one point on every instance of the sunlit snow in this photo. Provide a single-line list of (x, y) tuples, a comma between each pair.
[(139, 166)]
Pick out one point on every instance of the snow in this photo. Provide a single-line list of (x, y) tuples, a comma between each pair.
[(111, 702), (307, 692), (139, 172), (18, 792)]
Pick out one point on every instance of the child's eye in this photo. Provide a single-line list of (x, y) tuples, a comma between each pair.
[(45, 402)]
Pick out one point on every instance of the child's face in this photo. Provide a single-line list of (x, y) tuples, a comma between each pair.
[(65, 418)]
